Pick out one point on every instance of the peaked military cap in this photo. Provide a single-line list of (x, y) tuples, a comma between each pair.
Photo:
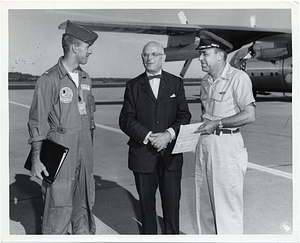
[(81, 33), (210, 40)]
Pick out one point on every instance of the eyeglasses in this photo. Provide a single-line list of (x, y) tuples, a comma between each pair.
[(151, 55)]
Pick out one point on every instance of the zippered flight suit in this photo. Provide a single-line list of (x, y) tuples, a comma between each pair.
[(54, 114)]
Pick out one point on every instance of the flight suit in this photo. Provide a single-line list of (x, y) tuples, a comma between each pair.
[(54, 114), (221, 159)]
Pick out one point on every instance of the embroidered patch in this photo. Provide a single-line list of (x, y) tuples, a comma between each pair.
[(65, 95), (85, 87)]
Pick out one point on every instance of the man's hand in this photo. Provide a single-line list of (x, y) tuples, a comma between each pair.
[(37, 168), (160, 140), (208, 127)]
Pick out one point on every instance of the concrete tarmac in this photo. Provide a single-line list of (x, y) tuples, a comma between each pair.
[(268, 190)]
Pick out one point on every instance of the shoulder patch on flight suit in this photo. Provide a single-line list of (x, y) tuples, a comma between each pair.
[(65, 95)]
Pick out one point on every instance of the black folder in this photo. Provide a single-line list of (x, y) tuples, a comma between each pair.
[(52, 156)]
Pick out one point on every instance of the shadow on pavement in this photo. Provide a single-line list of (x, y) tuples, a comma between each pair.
[(26, 210), (118, 208), (114, 206)]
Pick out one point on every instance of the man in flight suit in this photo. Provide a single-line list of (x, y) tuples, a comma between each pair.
[(62, 111), (227, 103), (154, 108)]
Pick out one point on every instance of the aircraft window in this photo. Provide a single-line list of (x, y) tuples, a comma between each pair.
[(271, 74), (252, 74), (276, 74), (261, 74)]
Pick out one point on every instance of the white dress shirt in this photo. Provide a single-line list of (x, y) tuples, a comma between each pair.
[(154, 83)]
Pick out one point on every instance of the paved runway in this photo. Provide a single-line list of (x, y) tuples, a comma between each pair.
[(268, 192)]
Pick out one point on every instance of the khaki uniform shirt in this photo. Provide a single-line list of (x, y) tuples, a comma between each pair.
[(228, 95)]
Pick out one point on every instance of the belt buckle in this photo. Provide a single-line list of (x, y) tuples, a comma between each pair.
[(218, 132), (61, 130)]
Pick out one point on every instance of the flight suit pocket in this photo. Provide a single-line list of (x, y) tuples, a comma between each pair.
[(92, 193), (61, 192)]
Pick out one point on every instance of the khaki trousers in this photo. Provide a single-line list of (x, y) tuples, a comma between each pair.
[(221, 163)]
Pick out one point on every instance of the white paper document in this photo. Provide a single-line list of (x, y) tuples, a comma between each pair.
[(187, 138)]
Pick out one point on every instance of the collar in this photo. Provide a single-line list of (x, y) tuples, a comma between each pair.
[(224, 75), (226, 71), (151, 74), (63, 71)]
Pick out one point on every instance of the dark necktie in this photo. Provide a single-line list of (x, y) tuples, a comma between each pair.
[(154, 76)]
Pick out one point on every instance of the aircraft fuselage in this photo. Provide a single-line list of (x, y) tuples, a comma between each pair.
[(269, 76)]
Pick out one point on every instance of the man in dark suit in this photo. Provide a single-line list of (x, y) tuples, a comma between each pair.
[(154, 108)]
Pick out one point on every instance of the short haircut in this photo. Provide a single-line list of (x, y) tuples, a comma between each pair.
[(217, 50), (67, 41)]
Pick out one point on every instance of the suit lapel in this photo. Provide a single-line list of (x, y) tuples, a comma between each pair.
[(162, 86), (147, 88)]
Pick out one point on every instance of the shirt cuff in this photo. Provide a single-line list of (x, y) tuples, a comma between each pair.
[(172, 132), (35, 139), (146, 140)]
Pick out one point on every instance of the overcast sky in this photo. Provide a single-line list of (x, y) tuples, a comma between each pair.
[(35, 40)]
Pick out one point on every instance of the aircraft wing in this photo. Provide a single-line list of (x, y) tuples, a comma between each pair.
[(180, 34)]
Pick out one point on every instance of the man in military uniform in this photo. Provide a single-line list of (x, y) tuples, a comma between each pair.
[(62, 111), (227, 103)]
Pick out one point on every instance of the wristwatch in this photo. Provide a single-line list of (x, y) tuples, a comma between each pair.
[(220, 125)]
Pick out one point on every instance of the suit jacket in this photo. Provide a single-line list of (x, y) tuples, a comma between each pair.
[(142, 113)]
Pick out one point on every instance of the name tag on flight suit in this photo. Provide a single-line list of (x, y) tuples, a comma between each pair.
[(81, 108)]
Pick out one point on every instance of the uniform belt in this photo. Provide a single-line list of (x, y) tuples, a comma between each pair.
[(225, 131), (60, 129), (63, 130)]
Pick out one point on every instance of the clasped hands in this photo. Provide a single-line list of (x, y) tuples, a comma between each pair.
[(160, 140)]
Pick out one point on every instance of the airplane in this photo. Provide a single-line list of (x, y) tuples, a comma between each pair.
[(267, 60), (269, 72)]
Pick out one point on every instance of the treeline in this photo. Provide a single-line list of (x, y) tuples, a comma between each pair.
[(24, 77), (110, 80), (123, 80), (21, 77)]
